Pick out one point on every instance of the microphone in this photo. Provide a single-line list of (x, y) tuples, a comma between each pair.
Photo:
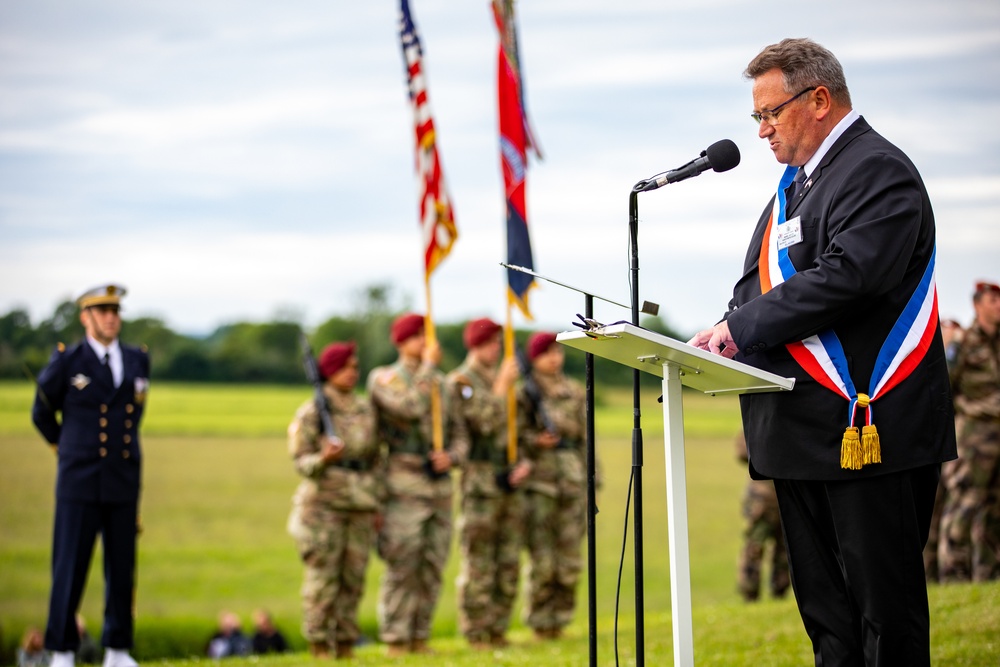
[(720, 156)]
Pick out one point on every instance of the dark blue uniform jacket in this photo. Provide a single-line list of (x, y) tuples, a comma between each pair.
[(100, 459)]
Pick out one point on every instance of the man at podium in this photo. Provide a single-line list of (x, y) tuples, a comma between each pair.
[(838, 293)]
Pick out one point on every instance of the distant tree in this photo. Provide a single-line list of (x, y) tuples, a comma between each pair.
[(15, 330), (335, 329), (16, 336), (268, 351), (247, 352), (659, 325), (64, 325), (376, 306), (189, 363)]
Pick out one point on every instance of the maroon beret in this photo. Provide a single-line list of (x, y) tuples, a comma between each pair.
[(479, 331), (539, 343), (982, 287), (334, 357), (405, 327)]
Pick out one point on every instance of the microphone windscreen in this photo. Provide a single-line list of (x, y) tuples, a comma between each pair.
[(723, 155)]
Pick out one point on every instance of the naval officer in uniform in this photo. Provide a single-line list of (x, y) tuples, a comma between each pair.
[(89, 404)]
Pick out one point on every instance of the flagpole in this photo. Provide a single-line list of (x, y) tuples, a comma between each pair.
[(509, 352), (431, 335)]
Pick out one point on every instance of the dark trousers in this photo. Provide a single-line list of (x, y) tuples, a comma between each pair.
[(855, 555), (76, 527)]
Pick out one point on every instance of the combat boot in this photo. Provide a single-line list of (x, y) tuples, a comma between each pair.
[(420, 646), (345, 650), (397, 649), (319, 649)]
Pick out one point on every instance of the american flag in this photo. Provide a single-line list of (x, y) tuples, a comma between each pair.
[(437, 220)]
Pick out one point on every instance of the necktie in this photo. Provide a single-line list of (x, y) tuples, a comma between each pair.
[(797, 184), (106, 370)]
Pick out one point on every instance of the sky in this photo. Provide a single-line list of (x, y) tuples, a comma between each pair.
[(242, 161)]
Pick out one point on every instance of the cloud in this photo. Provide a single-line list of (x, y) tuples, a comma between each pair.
[(224, 158)]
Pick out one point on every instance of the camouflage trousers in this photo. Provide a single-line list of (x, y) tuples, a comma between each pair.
[(413, 542), (554, 529), (969, 532), (335, 554), (490, 538), (763, 530)]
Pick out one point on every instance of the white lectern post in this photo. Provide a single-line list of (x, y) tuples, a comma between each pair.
[(679, 364)]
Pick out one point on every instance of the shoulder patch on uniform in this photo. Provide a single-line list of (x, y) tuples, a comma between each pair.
[(464, 385)]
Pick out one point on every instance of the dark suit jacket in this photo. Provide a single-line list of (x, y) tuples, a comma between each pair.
[(100, 458), (867, 236)]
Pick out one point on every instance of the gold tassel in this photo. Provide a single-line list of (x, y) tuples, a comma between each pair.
[(850, 449), (871, 450)]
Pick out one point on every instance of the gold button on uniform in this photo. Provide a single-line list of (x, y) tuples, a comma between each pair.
[(127, 438), (103, 422), (104, 409), (103, 437), (128, 423), (104, 452), (125, 454), (129, 408)]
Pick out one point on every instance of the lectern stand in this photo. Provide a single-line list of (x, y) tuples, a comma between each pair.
[(679, 365)]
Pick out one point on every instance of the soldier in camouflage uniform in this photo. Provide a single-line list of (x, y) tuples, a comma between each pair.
[(951, 336), (763, 526), (969, 537), (416, 532), (491, 517), (334, 509), (555, 492)]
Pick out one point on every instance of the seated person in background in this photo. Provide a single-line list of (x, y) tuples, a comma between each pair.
[(32, 652), (266, 637), (229, 639)]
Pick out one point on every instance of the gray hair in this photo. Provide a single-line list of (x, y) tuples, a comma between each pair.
[(803, 63)]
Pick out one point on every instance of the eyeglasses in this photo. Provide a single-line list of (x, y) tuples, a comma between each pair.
[(770, 116)]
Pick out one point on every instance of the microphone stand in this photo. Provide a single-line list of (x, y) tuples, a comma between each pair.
[(591, 466), (640, 638)]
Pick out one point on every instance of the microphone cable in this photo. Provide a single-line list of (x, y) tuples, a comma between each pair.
[(621, 560)]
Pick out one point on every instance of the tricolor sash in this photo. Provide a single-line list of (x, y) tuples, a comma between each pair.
[(822, 355)]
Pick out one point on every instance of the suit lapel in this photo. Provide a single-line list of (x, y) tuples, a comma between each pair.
[(855, 130)]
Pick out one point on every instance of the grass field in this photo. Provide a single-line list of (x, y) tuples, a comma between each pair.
[(218, 483)]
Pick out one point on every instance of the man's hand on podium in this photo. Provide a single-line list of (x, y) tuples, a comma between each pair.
[(716, 340)]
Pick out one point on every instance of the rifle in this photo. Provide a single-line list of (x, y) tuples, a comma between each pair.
[(533, 392), (312, 374)]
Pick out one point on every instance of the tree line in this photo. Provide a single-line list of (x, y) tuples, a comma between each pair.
[(254, 352)]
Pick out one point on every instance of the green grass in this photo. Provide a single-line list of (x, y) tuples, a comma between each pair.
[(218, 484)]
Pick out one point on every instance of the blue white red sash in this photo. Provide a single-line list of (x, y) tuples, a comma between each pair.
[(822, 355)]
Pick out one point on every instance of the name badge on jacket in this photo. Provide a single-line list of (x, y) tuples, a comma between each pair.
[(789, 233)]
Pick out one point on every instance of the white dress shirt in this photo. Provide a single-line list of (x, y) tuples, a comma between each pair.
[(114, 352)]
